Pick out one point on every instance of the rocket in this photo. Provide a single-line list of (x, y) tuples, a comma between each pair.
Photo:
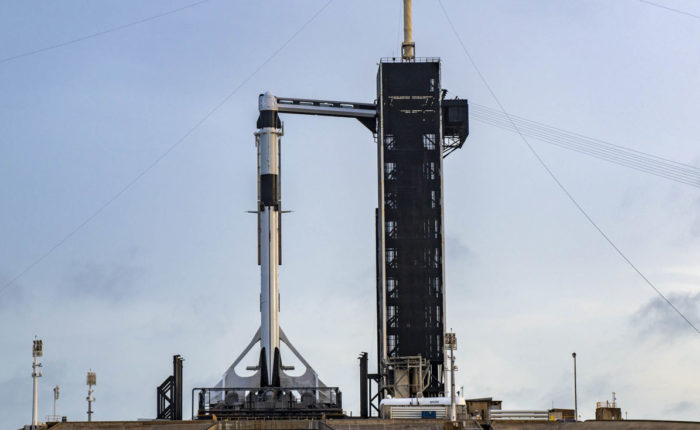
[(267, 139), (270, 371), (269, 236)]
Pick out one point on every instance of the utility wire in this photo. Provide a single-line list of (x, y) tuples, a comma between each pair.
[(553, 136), (554, 177), (602, 150), (683, 166), (620, 162), (682, 12), (99, 33), (160, 158)]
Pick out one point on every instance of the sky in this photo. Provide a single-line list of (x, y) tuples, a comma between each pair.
[(117, 270)]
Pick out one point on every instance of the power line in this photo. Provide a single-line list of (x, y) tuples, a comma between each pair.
[(160, 158), (556, 137), (99, 33), (614, 159), (623, 163), (554, 177), (683, 166), (599, 149), (682, 12)]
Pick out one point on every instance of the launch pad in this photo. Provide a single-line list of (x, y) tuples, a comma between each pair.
[(414, 128)]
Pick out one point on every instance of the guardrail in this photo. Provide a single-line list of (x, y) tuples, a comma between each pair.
[(54, 418), (266, 402), (415, 60), (499, 415)]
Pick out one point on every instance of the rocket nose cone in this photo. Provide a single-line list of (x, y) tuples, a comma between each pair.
[(267, 101)]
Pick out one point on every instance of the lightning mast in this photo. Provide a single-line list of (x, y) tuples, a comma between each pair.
[(90, 382), (408, 47), (37, 351), (56, 391)]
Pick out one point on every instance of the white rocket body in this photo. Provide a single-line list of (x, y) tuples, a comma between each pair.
[(270, 371), (269, 232)]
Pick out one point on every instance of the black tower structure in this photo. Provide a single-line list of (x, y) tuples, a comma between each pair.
[(169, 394), (416, 128)]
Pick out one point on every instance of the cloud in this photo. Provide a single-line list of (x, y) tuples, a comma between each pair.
[(657, 319), (457, 250), (680, 407), (108, 283)]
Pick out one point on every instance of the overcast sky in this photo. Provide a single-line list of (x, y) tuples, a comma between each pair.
[(169, 267)]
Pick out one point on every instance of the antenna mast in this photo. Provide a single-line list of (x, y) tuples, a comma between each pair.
[(91, 382), (37, 351), (408, 47), (56, 391)]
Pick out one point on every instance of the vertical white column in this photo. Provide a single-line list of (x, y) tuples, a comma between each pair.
[(268, 163), (37, 351), (35, 399), (453, 403)]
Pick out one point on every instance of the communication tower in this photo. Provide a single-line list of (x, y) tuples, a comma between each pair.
[(37, 351), (90, 382)]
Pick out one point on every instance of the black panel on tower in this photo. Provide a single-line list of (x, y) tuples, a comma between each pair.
[(410, 288)]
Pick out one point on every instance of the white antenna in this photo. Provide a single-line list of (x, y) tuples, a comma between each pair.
[(91, 382), (408, 47), (37, 351), (55, 397), (54, 417), (451, 345)]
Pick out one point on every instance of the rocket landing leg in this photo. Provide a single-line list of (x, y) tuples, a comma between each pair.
[(231, 379)]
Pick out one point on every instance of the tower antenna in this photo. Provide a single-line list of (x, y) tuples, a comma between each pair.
[(37, 351), (91, 382), (408, 47), (56, 393)]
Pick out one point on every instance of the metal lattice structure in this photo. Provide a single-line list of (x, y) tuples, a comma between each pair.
[(267, 402), (169, 393), (416, 129)]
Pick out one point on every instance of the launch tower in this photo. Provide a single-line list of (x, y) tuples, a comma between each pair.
[(414, 127), (417, 128)]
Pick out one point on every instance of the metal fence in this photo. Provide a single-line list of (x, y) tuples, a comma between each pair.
[(266, 402), (499, 415)]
